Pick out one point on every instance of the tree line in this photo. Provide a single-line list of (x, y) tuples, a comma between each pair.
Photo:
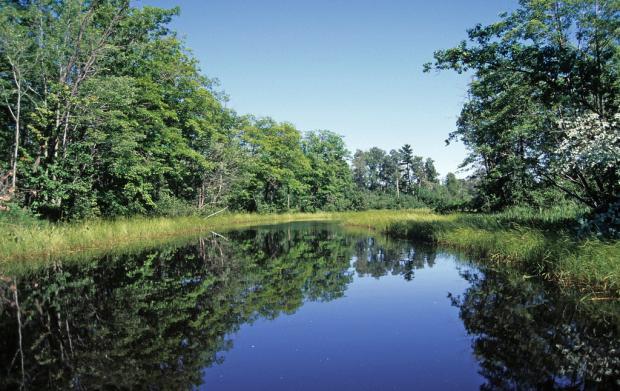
[(399, 178), (106, 113)]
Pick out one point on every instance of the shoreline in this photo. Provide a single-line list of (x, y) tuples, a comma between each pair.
[(532, 244)]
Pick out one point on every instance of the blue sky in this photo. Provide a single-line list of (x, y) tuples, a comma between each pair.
[(354, 67)]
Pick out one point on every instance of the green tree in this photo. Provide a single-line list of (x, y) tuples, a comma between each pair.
[(418, 173), (546, 62), (406, 163), (360, 169), (330, 180), (452, 184), (430, 173), (275, 167), (115, 117)]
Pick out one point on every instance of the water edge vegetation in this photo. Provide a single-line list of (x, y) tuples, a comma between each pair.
[(538, 243)]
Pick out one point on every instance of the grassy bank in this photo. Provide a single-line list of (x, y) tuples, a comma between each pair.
[(26, 245), (534, 243)]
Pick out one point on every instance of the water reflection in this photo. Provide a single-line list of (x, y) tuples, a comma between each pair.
[(158, 318), (391, 257), (526, 337)]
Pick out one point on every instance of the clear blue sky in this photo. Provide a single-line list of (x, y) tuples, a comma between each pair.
[(354, 67)]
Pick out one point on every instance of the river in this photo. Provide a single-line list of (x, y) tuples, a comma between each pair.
[(301, 306)]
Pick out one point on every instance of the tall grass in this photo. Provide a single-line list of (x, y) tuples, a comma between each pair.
[(29, 244), (534, 242), (537, 243)]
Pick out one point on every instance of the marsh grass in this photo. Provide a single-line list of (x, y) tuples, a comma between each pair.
[(24, 246), (537, 243)]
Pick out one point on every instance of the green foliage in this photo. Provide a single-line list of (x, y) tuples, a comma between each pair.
[(170, 206), (442, 200), (330, 181), (604, 224), (275, 162), (399, 179), (16, 216), (379, 200), (131, 127), (544, 97)]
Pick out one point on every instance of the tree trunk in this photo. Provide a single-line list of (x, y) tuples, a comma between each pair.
[(397, 187), (16, 149)]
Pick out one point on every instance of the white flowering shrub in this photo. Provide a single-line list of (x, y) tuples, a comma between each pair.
[(590, 143), (589, 155)]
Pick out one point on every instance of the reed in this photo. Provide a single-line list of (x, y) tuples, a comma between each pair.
[(537, 243), (25, 245)]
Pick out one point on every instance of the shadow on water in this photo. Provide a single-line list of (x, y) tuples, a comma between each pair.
[(156, 320)]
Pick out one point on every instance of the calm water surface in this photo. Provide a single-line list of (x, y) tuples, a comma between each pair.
[(298, 307)]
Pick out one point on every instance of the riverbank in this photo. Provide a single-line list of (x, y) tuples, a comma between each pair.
[(30, 244), (537, 244)]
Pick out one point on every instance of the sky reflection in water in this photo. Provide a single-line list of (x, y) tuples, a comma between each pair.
[(299, 306)]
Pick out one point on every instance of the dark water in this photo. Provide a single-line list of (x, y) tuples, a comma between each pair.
[(298, 307)]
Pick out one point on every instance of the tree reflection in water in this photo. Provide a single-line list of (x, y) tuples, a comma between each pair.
[(528, 337), (378, 257), (158, 318)]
